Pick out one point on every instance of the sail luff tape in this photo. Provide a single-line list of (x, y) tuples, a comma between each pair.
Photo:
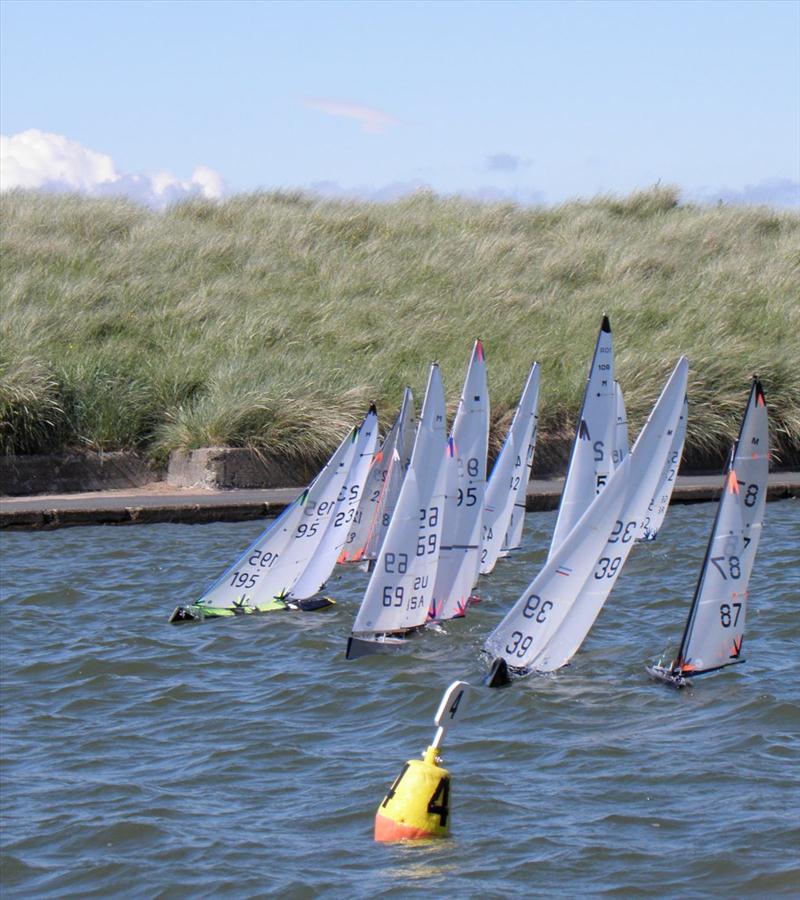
[(417, 806)]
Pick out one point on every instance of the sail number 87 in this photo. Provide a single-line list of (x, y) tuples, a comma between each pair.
[(727, 617)]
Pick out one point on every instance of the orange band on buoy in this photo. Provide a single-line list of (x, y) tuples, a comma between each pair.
[(389, 830)]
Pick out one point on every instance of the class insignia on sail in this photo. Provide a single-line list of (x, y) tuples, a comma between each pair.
[(714, 632)]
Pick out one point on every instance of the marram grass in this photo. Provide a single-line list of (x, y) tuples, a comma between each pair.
[(270, 320)]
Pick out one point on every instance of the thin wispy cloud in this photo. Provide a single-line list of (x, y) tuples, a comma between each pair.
[(397, 190), (371, 119), (781, 192), (35, 159), (506, 162)]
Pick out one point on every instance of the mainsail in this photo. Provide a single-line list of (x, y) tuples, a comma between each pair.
[(540, 632), (590, 464), (271, 565), (504, 507), (459, 555), (382, 487), (324, 559), (400, 590), (657, 508), (648, 455), (714, 632)]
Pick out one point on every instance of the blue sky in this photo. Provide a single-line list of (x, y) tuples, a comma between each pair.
[(535, 101)]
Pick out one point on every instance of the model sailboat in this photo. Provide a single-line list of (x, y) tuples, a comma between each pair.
[(382, 488), (504, 507), (465, 480), (621, 446), (551, 619), (262, 577), (321, 564), (714, 632), (657, 508), (591, 462), (400, 589)]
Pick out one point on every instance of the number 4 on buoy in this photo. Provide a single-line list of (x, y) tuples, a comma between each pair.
[(417, 805)]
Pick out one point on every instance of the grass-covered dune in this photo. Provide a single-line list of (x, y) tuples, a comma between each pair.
[(270, 320)]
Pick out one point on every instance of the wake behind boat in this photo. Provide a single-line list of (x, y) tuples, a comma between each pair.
[(714, 632)]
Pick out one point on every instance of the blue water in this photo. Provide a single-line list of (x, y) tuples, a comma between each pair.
[(247, 758)]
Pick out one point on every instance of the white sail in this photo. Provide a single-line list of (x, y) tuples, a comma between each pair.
[(590, 464), (324, 559), (400, 590), (650, 452), (504, 506), (657, 508), (382, 487), (530, 623), (715, 628), (267, 569), (620, 450), (524, 637), (459, 555)]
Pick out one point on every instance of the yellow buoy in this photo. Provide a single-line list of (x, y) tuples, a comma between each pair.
[(418, 803)]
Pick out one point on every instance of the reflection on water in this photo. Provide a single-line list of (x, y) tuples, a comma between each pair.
[(247, 758)]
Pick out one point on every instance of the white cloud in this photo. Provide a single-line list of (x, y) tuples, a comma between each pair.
[(35, 158), (39, 159), (373, 121)]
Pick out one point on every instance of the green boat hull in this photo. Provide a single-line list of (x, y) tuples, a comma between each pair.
[(198, 612)]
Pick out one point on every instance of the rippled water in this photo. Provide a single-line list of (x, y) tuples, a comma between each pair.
[(247, 757)]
